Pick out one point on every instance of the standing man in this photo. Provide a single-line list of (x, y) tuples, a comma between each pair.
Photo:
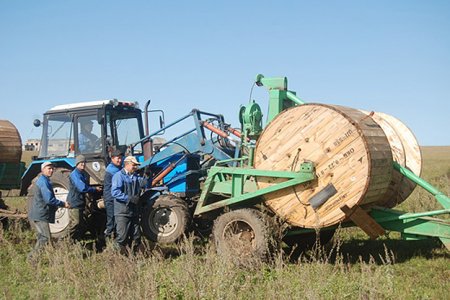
[(43, 208), (114, 166), (78, 189), (126, 189)]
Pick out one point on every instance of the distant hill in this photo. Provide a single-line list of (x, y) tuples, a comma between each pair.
[(435, 152)]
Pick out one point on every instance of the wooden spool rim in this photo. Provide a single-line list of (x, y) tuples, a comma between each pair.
[(404, 137), (360, 134), (11, 142)]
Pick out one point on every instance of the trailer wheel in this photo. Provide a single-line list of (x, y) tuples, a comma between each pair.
[(242, 235), (166, 220), (60, 183)]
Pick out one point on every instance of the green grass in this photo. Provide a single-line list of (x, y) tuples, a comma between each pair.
[(354, 267)]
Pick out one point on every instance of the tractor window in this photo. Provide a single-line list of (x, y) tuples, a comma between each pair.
[(57, 136), (126, 130), (89, 133)]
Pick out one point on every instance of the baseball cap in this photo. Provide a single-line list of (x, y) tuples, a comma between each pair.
[(116, 152), (45, 164), (80, 158), (131, 159)]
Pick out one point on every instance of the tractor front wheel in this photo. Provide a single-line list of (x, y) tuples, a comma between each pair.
[(166, 220)]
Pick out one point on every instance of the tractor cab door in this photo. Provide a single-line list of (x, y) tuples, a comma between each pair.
[(124, 128), (57, 136), (88, 135)]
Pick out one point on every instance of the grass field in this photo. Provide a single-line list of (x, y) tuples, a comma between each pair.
[(353, 267)]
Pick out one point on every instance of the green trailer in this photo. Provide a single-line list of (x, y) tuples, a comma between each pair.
[(244, 226)]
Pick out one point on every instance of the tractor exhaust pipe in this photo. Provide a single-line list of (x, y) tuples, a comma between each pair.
[(148, 144)]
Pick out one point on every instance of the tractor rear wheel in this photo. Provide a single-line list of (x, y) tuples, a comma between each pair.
[(166, 220), (242, 235)]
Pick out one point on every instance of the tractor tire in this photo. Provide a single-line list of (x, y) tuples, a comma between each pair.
[(60, 183), (166, 220), (243, 235)]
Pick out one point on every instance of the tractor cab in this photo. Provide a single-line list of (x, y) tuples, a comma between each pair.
[(93, 129)]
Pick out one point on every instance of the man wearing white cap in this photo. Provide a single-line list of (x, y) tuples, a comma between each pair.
[(43, 208), (126, 189)]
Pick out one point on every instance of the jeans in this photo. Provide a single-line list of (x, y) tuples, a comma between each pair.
[(110, 223), (43, 237), (127, 227), (77, 223)]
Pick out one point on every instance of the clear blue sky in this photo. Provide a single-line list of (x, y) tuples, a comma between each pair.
[(389, 56)]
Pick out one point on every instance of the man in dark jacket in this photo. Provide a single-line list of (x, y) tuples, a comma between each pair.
[(78, 189), (126, 189), (43, 209), (114, 166)]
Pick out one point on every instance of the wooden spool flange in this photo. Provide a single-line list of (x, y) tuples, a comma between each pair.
[(10, 143), (351, 154), (405, 151)]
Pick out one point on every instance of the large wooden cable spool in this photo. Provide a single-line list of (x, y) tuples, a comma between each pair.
[(405, 151), (10, 143), (350, 152)]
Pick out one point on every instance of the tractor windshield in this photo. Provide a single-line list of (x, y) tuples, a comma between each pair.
[(57, 135), (124, 128)]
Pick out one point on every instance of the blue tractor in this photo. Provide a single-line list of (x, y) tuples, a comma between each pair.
[(175, 167)]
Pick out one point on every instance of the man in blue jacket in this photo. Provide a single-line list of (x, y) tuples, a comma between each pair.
[(126, 189), (114, 166), (78, 189), (43, 208)]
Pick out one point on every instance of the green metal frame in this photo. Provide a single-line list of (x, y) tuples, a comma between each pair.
[(411, 226), (280, 98), (414, 226), (238, 185)]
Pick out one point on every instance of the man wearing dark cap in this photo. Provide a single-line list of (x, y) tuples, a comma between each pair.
[(78, 189), (43, 208), (114, 166)]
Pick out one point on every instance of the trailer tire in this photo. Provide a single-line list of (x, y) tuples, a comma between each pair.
[(166, 220), (60, 182), (243, 235)]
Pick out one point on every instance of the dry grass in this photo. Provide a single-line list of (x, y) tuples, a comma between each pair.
[(72, 271), (352, 268)]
